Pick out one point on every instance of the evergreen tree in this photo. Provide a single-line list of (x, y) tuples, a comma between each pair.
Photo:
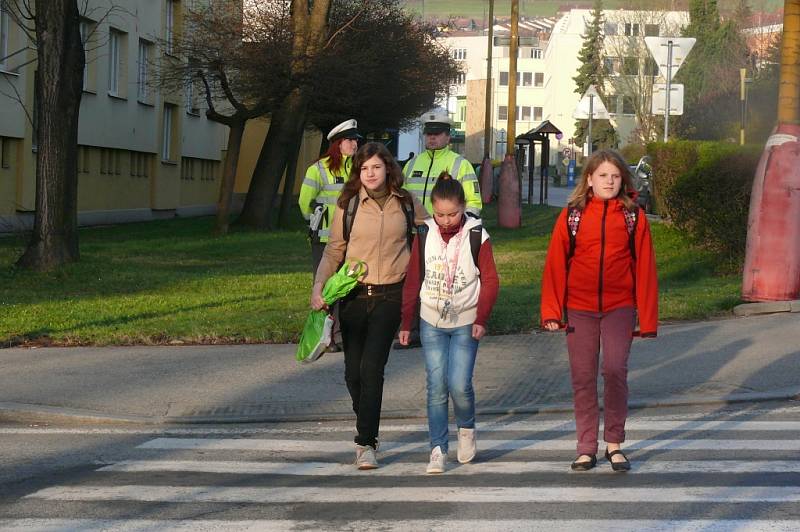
[(710, 74), (592, 72)]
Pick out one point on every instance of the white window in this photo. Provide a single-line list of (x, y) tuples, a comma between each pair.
[(538, 79), (502, 112), (141, 71), (610, 28), (463, 113), (166, 146), (3, 37), (461, 78), (537, 114), (114, 42), (536, 53), (459, 53), (526, 113), (504, 79), (632, 29), (527, 79), (170, 26)]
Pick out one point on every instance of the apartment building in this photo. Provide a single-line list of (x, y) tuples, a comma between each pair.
[(546, 65), (144, 153), (630, 68)]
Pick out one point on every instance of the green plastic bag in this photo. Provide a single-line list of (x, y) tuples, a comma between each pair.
[(318, 328)]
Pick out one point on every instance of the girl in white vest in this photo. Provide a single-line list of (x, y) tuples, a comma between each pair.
[(456, 287)]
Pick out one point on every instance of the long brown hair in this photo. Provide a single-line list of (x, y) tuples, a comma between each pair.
[(583, 191), (394, 175)]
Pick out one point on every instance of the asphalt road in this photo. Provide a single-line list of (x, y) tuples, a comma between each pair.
[(695, 468)]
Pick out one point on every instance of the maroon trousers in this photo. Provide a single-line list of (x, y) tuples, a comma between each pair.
[(585, 333)]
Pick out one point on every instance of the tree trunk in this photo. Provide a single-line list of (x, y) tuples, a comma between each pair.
[(229, 177), (286, 125), (54, 241), (287, 198)]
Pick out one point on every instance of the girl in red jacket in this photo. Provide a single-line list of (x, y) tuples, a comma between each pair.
[(600, 273)]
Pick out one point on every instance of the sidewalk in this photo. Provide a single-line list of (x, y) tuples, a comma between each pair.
[(738, 359)]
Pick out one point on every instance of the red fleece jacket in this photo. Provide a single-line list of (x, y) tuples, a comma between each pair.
[(601, 276)]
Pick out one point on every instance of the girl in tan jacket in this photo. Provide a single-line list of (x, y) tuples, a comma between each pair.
[(372, 222)]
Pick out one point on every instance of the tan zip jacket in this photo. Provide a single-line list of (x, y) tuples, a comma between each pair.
[(378, 237)]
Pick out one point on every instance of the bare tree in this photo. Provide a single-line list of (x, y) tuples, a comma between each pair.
[(310, 30), (632, 69), (54, 27), (238, 56)]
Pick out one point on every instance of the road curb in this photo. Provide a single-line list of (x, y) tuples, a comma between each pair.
[(766, 307), (28, 413)]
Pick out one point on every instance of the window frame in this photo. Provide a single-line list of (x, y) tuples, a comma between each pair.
[(502, 112), (4, 37), (142, 71), (114, 42), (169, 28), (538, 79), (166, 132)]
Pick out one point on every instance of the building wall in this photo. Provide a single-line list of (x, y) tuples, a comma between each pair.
[(126, 170)]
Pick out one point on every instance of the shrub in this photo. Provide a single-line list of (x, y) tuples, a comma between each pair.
[(711, 200), (669, 160), (633, 152)]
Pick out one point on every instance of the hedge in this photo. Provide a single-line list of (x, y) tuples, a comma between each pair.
[(704, 187)]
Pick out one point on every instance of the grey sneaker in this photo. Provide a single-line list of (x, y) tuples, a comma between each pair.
[(467, 446), (365, 457), (438, 461)]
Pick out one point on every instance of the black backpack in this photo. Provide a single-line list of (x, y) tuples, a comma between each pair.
[(350, 214), (475, 237)]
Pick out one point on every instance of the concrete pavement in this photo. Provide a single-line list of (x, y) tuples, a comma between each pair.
[(737, 359)]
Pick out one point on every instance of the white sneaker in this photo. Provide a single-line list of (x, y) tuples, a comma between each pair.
[(467, 446), (366, 457), (438, 461)]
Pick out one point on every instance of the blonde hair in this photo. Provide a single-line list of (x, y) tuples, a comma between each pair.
[(583, 191)]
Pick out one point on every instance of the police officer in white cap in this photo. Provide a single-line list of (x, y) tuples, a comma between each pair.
[(323, 183), (320, 190), (422, 171)]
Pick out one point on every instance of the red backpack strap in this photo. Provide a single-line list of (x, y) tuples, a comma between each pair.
[(573, 222), (631, 219)]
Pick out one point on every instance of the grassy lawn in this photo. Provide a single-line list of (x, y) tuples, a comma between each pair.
[(171, 282)]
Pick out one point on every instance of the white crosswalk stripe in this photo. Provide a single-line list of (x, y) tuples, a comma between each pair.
[(266, 470), (394, 448)]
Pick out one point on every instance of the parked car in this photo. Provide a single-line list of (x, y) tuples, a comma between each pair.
[(642, 174)]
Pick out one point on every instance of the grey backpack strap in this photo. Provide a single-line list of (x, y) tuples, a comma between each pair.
[(349, 216)]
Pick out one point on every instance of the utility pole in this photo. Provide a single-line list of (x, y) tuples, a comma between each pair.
[(509, 211), (743, 102), (669, 89), (512, 79), (487, 129)]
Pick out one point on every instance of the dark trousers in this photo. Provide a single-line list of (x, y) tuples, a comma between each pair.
[(585, 333), (368, 327)]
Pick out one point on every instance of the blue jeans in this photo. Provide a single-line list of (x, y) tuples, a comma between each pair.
[(449, 361)]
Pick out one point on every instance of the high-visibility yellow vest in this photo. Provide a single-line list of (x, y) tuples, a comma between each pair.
[(322, 186), (422, 171)]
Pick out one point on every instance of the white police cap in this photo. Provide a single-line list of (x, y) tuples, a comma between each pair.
[(346, 130), (437, 121)]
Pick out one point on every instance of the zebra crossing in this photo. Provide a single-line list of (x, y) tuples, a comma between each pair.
[(688, 474)]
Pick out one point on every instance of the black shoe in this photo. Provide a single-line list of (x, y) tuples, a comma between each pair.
[(334, 348), (412, 343), (618, 466), (583, 465)]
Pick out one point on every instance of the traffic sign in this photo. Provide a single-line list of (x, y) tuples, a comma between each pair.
[(660, 99), (660, 47), (505, 40), (591, 98)]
